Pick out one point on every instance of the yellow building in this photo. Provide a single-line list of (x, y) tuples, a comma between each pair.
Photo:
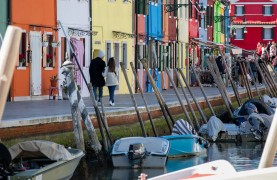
[(112, 32)]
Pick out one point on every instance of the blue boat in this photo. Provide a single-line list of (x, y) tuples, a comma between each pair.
[(186, 145)]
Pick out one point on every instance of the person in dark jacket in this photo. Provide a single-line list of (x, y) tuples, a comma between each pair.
[(96, 68), (221, 67)]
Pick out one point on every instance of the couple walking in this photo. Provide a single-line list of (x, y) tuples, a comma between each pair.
[(98, 71)]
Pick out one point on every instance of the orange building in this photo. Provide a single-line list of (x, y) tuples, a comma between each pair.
[(37, 54)]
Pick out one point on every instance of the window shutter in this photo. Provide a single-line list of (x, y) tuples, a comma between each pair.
[(263, 9), (243, 9), (236, 10), (272, 33), (263, 33), (271, 10), (242, 32)]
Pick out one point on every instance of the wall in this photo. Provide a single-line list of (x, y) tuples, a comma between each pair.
[(75, 14), (114, 16)]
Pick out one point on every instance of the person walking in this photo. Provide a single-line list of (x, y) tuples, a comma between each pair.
[(221, 67), (272, 51), (96, 68), (111, 74)]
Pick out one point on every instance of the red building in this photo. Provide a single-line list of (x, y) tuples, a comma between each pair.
[(255, 22)]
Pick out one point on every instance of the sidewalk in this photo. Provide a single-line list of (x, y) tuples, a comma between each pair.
[(24, 113)]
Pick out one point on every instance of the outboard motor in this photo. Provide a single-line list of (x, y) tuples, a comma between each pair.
[(258, 126), (136, 151)]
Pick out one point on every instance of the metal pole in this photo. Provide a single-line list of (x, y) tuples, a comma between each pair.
[(252, 76), (133, 99), (142, 95)]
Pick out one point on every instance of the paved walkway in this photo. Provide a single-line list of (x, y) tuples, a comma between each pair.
[(22, 113)]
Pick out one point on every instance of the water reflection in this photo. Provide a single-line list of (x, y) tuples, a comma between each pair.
[(245, 156)]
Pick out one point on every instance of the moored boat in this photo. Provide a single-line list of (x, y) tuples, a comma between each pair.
[(140, 152), (186, 145), (39, 159)]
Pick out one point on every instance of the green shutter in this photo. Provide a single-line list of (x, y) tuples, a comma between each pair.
[(272, 33), (236, 9), (243, 9), (271, 10), (263, 9), (242, 33)]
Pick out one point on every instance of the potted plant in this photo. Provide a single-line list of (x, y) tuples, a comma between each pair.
[(21, 59), (54, 80), (49, 60)]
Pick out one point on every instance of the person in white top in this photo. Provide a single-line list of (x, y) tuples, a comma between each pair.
[(272, 50), (111, 74)]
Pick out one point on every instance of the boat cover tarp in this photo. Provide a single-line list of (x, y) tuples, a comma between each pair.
[(261, 106), (39, 148), (182, 127), (214, 126)]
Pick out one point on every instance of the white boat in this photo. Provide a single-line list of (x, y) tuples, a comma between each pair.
[(140, 152), (38, 159)]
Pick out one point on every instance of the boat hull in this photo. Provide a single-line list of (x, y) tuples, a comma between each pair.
[(58, 170), (155, 156), (185, 145)]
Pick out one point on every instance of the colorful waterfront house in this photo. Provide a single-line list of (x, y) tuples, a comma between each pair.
[(206, 29), (193, 33), (255, 22), (37, 60), (154, 38), (183, 36), (112, 22), (168, 47), (4, 15), (75, 27), (140, 20), (219, 33)]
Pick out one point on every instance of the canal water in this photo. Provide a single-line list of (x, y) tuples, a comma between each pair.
[(244, 156)]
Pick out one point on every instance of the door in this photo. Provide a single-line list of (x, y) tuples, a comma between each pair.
[(35, 64)]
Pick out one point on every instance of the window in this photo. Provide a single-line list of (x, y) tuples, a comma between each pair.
[(22, 50), (239, 10), (108, 51), (124, 54), (142, 7), (267, 10), (239, 33), (268, 33)]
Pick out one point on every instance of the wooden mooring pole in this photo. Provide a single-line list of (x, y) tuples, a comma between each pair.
[(181, 102), (144, 101), (133, 99)]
